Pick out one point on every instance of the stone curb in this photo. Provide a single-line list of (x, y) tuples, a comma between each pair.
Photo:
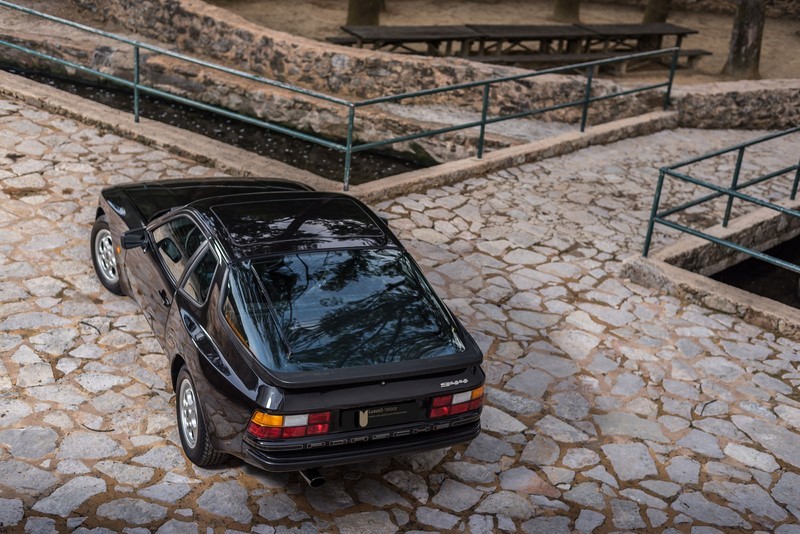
[(693, 287)]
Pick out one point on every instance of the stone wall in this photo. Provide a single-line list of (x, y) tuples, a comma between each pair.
[(775, 8), (763, 104)]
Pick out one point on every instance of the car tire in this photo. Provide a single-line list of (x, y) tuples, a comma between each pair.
[(103, 257), (191, 426)]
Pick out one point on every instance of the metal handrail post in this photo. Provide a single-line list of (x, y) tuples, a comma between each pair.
[(653, 213), (672, 68), (586, 97), (484, 113), (734, 184), (796, 181), (348, 155), (135, 83)]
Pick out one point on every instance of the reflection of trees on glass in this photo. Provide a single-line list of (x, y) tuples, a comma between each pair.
[(177, 240), (250, 318), (355, 307), (285, 220)]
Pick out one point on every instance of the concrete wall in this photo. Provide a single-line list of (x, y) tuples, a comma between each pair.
[(297, 111), (198, 29)]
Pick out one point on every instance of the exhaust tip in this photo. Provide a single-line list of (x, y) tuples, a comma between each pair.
[(312, 477)]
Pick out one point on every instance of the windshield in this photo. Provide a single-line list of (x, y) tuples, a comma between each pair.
[(350, 308)]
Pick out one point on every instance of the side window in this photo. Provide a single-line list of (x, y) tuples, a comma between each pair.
[(176, 242), (198, 283), (233, 316)]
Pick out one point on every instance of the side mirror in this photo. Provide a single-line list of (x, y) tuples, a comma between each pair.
[(134, 238)]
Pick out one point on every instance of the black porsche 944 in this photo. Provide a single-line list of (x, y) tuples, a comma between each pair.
[(300, 332)]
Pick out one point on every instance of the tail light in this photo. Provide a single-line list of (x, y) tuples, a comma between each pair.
[(467, 401), (269, 426)]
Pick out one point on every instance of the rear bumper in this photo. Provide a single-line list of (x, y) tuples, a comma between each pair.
[(353, 447)]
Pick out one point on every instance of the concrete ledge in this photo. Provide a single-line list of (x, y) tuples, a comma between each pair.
[(456, 171), (697, 288), (681, 269)]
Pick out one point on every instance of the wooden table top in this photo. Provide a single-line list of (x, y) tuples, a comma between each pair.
[(410, 33), (530, 32), (637, 30)]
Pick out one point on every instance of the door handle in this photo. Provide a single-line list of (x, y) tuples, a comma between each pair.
[(164, 298)]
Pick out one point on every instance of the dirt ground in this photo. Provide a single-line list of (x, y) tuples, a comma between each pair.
[(317, 19)]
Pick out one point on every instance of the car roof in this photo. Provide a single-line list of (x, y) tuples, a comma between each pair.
[(257, 224)]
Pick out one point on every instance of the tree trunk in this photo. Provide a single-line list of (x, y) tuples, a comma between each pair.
[(363, 12), (745, 48), (656, 11), (567, 10)]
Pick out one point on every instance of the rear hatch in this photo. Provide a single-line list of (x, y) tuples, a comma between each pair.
[(336, 317)]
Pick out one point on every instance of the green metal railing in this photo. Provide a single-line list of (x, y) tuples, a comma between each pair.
[(349, 147), (733, 192)]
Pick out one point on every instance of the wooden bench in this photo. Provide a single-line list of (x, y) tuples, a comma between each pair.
[(556, 59), (693, 56), (553, 60)]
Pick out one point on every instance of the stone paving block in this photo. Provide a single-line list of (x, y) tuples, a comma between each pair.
[(625, 424), (456, 496), (695, 505), (378, 522), (631, 461), (65, 499)]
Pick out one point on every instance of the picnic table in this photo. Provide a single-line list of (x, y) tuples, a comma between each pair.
[(528, 44), (634, 37), (505, 38)]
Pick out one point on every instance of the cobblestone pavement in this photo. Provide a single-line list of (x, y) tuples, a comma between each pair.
[(610, 406)]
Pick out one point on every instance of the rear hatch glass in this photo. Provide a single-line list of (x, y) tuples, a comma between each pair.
[(350, 308)]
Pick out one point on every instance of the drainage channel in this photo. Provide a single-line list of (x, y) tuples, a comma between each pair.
[(766, 279), (365, 167)]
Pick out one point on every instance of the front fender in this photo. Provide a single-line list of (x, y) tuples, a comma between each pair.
[(117, 226)]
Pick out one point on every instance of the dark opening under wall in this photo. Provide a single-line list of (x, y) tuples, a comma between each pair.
[(765, 279)]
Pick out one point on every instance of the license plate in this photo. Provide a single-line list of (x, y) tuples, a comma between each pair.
[(386, 415)]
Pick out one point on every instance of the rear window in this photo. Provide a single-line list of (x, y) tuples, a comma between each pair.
[(269, 221), (346, 308)]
